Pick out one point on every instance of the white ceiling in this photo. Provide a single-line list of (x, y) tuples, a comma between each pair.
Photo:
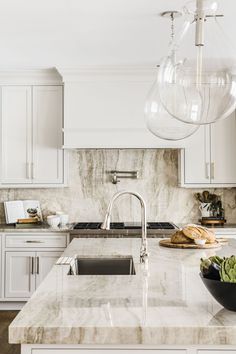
[(46, 33)]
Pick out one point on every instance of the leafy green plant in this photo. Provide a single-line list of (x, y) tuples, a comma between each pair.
[(228, 270), (213, 199), (217, 268)]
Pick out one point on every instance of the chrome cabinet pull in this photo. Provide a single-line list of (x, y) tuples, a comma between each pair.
[(32, 170), (207, 170), (33, 241), (37, 265), (32, 265), (28, 170), (212, 170)]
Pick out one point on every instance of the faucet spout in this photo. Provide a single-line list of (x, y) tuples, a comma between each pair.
[(106, 224)]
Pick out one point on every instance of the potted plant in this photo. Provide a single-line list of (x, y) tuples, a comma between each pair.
[(210, 204)]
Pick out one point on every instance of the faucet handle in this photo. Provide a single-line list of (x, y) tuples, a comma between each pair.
[(143, 256), (115, 179)]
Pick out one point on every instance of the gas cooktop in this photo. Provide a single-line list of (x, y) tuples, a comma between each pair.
[(124, 225)]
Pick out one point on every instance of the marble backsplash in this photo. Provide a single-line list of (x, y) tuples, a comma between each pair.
[(90, 188)]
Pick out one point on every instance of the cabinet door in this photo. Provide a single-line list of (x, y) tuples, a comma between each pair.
[(16, 134), (195, 158), (214, 351), (19, 274), (223, 149), (44, 263), (47, 165), (1, 268)]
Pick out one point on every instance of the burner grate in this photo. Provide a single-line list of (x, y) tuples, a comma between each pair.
[(161, 225), (124, 226)]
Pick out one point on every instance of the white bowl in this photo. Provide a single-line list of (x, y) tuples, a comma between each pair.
[(53, 220), (64, 218), (199, 242)]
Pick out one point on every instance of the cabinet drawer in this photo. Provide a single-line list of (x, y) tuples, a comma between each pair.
[(36, 240), (108, 351)]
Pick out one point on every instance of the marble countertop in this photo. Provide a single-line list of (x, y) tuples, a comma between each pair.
[(170, 306), (98, 233), (5, 228)]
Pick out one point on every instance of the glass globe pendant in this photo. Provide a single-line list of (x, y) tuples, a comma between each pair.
[(158, 120), (199, 87), (160, 123)]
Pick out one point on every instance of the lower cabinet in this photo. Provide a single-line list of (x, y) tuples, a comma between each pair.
[(44, 263), (213, 351), (70, 349), (24, 271), (19, 274), (108, 351)]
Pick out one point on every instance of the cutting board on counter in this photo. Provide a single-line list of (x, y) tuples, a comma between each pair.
[(167, 243)]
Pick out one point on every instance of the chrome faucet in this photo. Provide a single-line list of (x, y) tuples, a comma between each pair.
[(106, 224)]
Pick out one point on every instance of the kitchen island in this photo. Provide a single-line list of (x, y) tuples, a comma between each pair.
[(162, 309)]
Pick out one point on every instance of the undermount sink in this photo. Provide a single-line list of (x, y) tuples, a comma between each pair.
[(104, 266)]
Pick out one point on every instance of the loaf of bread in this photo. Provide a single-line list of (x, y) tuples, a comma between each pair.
[(179, 237), (199, 232), (192, 232)]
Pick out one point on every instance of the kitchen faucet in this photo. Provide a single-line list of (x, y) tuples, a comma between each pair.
[(106, 224)]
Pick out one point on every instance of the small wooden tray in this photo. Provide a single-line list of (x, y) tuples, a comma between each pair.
[(212, 222), (28, 221), (167, 243)]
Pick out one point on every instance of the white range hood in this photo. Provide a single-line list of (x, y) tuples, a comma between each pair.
[(104, 108)]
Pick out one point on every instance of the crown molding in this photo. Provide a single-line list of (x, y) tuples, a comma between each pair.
[(30, 76), (108, 73)]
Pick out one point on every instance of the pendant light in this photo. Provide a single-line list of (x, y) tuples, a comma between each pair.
[(158, 120), (199, 87)]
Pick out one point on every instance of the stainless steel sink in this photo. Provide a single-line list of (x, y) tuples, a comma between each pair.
[(103, 266)]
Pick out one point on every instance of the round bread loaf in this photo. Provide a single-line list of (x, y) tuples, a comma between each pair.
[(179, 237), (199, 232), (192, 232), (208, 234)]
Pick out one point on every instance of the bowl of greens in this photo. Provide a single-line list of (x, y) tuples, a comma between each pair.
[(219, 276)]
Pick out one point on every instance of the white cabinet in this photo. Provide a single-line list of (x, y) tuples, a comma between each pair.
[(195, 158), (50, 350), (213, 351), (209, 157), (223, 150), (1, 268), (44, 263), (15, 134), (25, 271), (27, 259), (138, 349), (31, 136), (19, 273), (39, 240), (47, 161)]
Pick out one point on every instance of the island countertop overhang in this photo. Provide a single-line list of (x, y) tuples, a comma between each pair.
[(167, 306)]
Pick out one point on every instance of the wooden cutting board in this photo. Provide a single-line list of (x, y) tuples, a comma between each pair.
[(167, 243)]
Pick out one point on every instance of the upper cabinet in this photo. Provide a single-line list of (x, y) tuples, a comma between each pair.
[(47, 153), (209, 157), (194, 162), (16, 140), (223, 150), (31, 136), (104, 108)]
